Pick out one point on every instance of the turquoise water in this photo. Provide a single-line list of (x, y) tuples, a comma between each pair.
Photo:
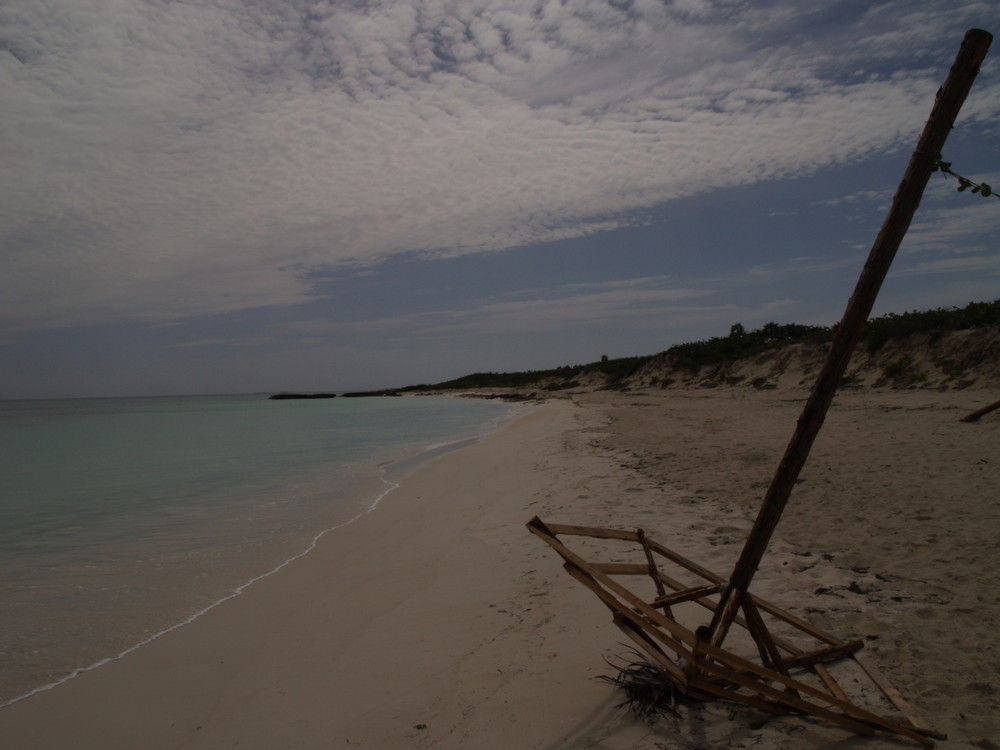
[(120, 518)]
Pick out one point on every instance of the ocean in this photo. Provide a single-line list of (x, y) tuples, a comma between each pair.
[(121, 519)]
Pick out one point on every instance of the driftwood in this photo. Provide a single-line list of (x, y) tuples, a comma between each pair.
[(980, 412), (694, 659), (795, 673)]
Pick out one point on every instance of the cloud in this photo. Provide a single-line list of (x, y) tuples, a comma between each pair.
[(980, 264), (968, 228), (171, 159), (880, 198), (654, 305), (534, 311)]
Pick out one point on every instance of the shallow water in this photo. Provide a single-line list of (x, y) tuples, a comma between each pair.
[(120, 518)]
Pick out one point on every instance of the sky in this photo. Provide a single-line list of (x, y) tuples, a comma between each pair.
[(223, 196)]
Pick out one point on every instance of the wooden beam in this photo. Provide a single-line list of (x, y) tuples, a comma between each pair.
[(830, 682), (922, 164), (639, 623), (897, 699), (596, 532), (823, 655), (768, 651), (752, 677), (685, 595), (980, 412), (602, 581), (654, 573)]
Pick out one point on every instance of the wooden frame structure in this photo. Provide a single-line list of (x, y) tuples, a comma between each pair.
[(701, 666), (791, 677)]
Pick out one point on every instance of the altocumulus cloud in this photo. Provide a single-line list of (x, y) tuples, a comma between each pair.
[(170, 159)]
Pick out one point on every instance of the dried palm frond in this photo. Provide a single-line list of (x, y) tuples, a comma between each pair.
[(649, 691)]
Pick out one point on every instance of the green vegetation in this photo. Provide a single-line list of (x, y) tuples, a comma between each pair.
[(897, 367), (964, 183), (615, 369), (738, 344), (742, 343), (903, 370), (941, 320)]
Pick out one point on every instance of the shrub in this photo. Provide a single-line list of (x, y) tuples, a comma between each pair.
[(892, 326)]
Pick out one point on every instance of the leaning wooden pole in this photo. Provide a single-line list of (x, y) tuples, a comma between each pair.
[(922, 164)]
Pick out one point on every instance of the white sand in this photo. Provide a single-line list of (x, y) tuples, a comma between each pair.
[(438, 621)]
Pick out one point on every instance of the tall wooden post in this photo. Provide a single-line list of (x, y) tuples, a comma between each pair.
[(922, 164)]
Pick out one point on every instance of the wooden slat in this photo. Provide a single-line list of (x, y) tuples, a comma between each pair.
[(791, 648), (682, 634), (824, 655), (716, 690), (739, 671), (638, 635), (636, 620), (852, 716), (622, 569), (593, 531), (796, 622), (640, 569), (687, 564), (897, 699), (769, 655), (654, 572), (546, 531), (771, 609), (830, 682), (619, 534), (685, 595), (782, 701)]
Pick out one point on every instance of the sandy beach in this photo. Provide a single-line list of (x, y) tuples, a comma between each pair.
[(439, 621)]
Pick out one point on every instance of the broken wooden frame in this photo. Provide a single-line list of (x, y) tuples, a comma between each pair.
[(790, 678), (703, 667)]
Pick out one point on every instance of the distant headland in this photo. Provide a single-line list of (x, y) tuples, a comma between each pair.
[(289, 396), (942, 349)]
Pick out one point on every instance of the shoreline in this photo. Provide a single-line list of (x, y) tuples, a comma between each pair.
[(237, 591), (368, 494), (126, 703), (440, 621)]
